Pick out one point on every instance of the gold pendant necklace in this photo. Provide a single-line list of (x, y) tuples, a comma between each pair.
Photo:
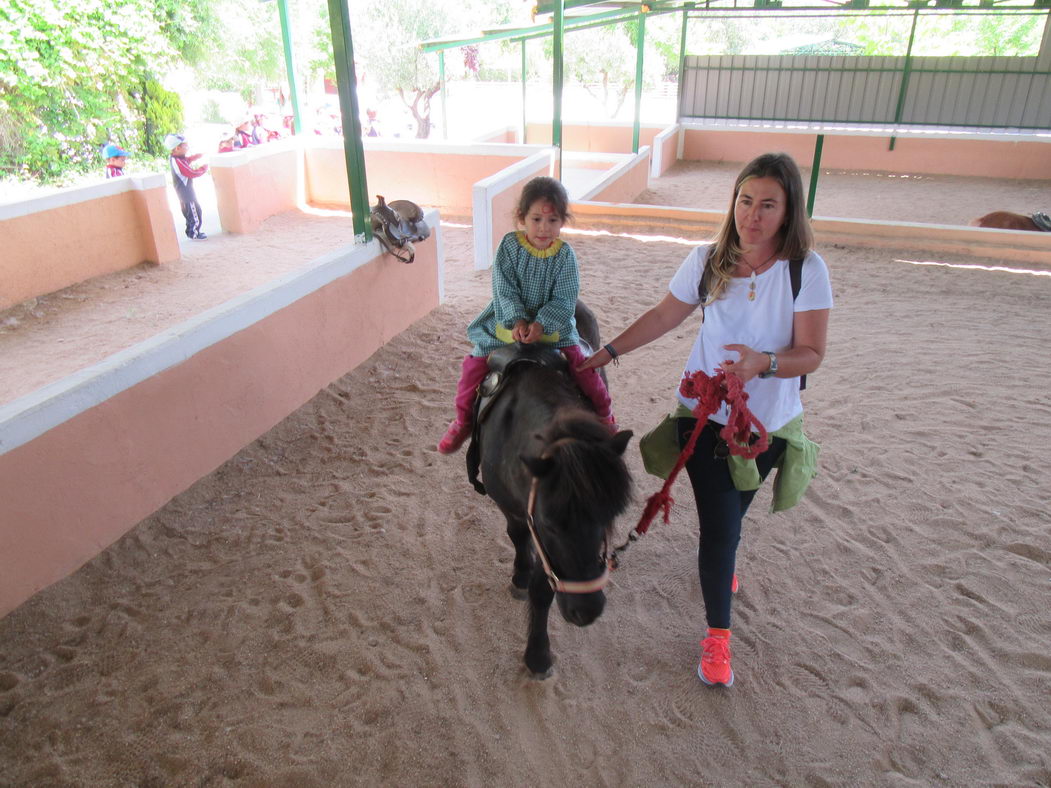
[(752, 278)]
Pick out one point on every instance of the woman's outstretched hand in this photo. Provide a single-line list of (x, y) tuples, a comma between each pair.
[(748, 364), (600, 358)]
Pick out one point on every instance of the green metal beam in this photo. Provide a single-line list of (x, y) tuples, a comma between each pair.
[(640, 41), (525, 74), (441, 83), (905, 76), (347, 83), (290, 66), (713, 11), (682, 57), (815, 171), (557, 68)]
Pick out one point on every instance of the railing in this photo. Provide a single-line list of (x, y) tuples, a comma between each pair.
[(979, 92)]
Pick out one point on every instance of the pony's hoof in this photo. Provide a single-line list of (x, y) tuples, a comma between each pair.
[(519, 593), (540, 669), (542, 676)]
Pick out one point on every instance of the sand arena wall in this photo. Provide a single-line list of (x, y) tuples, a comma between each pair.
[(974, 155), (85, 459), (431, 174), (594, 137), (77, 233)]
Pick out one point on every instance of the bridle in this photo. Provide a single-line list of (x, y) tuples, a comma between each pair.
[(557, 584)]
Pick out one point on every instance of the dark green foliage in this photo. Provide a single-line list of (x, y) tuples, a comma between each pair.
[(161, 112)]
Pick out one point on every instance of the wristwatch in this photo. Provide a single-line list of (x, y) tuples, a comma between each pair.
[(773, 365)]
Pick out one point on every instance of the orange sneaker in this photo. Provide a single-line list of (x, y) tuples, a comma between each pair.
[(454, 437), (714, 667)]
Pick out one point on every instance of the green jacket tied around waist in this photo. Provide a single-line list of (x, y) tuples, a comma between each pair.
[(795, 469)]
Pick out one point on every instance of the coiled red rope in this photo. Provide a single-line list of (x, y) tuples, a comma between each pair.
[(710, 391)]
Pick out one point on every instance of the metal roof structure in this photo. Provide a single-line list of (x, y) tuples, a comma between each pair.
[(566, 16)]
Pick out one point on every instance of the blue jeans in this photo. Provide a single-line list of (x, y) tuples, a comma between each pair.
[(720, 508)]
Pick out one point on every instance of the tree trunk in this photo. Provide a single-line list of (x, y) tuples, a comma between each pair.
[(422, 115)]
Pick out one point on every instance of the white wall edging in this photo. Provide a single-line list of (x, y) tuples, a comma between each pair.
[(30, 416), (482, 202), (77, 194), (657, 158), (616, 173)]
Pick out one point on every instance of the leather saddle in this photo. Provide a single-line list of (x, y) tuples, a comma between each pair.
[(501, 362)]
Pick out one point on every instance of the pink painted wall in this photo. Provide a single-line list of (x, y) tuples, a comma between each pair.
[(60, 239), (598, 138), (508, 135), (81, 485), (630, 183), (700, 225), (255, 184), (982, 158), (505, 204), (669, 153), (434, 179)]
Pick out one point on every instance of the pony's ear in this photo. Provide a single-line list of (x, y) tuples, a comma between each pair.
[(620, 441), (538, 466)]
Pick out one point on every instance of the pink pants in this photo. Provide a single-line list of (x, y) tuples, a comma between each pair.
[(474, 370)]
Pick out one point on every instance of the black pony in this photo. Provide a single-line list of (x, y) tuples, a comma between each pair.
[(554, 469)]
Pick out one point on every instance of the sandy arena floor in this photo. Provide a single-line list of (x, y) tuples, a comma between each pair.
[(331, 606)]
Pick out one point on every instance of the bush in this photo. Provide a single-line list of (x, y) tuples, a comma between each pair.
[(161, 112)]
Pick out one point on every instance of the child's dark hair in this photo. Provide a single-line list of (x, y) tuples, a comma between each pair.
[(543, 188)]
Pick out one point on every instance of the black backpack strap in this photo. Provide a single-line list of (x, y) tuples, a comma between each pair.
[(795, 275)]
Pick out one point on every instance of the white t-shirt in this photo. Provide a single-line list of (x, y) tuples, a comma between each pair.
[(762, 324)]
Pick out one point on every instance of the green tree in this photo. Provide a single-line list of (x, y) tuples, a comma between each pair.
[(66, 73), (603, 59), (387, 52), (161, 111)]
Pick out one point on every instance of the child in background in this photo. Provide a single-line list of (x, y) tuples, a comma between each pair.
[(115, 158), (535, 288), (243, 130), (183, 173), (227, 140)]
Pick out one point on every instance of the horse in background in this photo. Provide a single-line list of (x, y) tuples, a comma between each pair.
[(560, 480), (1006, 220)]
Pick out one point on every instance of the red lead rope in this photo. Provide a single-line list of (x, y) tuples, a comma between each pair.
[(710, 392)]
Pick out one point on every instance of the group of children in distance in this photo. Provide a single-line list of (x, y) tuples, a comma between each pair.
[(250, 131)]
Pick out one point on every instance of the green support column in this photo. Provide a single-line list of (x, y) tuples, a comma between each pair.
[(290, 67), (556, 119), (815, 170), (640, 41), (682, 57), (525, 72), (347, 83), (906, 72), (441, 82)]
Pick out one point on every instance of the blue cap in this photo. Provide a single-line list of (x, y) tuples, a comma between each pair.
[(111, 150)]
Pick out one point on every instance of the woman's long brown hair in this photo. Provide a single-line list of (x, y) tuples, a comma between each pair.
[(796, 235)]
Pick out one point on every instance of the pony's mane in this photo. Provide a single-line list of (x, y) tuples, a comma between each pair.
[(590, 478)]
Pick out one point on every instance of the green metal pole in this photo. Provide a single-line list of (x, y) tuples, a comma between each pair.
[(815, 171), (906, 71), (556, 118), (682, 59), (441, 81), (640, 40), (290, 67), (524, 73), (682, 54), (347, 83)]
